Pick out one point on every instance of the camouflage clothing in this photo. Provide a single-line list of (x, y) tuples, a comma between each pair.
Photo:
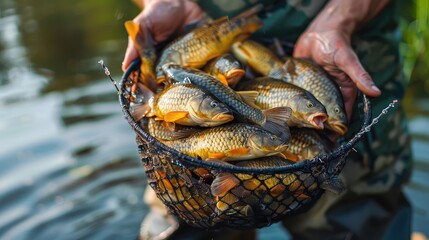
[(373, 206)]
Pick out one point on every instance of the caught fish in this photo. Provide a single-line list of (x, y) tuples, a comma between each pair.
[(235, 191), (307, 111), (300, 72), (145, 47), (306, 74), (306, 144), (187, 105), (258, 57), (273, 120), (237, 141), (226, 68), (165, 131), (199, 46)]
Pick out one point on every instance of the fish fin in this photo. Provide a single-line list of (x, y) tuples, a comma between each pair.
[(250, 12), (249, 97), (217, 155), (276, 119), (158, 118), (174, 116), (289, 156), (309, 152), (277, 190), (217, 21), (239, 151), (141, 111), (146, 92), (222, 183), (183, 133), (289, 67), (222, 79)]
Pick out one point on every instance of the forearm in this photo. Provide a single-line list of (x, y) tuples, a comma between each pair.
[(347, 15)]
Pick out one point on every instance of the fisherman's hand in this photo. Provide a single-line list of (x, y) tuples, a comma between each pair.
[(327, 41), (163, 18)]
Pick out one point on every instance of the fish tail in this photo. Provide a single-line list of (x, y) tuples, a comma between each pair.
[(140, 35), (276, 119), (143, 109), (142, 40)]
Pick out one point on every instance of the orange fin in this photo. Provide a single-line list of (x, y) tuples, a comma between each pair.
[(217, 21), (249, 97), (222, 79), (217, 155), (222, 183), (289, 156), (174, 116), (239, 151)]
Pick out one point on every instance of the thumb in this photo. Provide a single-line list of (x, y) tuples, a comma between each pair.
[(347, 60), (130, 55)]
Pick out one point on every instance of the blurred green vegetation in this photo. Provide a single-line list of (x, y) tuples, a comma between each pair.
[(414, 46)]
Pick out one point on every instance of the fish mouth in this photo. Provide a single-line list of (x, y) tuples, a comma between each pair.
[(337, 126), (235, 73), (317, 120), (223, 117)]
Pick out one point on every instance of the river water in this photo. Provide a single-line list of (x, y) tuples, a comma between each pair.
[(68, 161)]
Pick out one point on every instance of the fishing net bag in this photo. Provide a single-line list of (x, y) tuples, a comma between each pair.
[(188, 195)]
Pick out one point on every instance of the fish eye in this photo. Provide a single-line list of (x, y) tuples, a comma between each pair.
[(273, 138), (214, 104), (337, 110), (310, 105)]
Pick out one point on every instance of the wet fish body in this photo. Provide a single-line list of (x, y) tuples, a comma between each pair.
[(235, 141), (273, 120), (196, 48), (306, 74), (257, 56), (307, 111), (189, 105), (307, 143)]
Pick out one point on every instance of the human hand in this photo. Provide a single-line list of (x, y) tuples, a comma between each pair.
[(162, 18), (331, 49)]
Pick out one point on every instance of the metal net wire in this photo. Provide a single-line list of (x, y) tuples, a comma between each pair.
[(261, 196)]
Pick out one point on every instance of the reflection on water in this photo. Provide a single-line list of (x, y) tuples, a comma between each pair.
[(68, 160)]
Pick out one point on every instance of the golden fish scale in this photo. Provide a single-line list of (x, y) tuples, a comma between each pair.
[(261, 58), (214, 140), (174, 98), (272, 93), (302, 138), (311, 78), (205, 43)]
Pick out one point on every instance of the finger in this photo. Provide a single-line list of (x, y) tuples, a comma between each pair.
[(347, 61), (130, 55)]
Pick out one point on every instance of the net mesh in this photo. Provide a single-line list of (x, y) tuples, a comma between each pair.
[(259, 197)]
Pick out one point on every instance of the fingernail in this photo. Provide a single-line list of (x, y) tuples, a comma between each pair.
[(375, 88)]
